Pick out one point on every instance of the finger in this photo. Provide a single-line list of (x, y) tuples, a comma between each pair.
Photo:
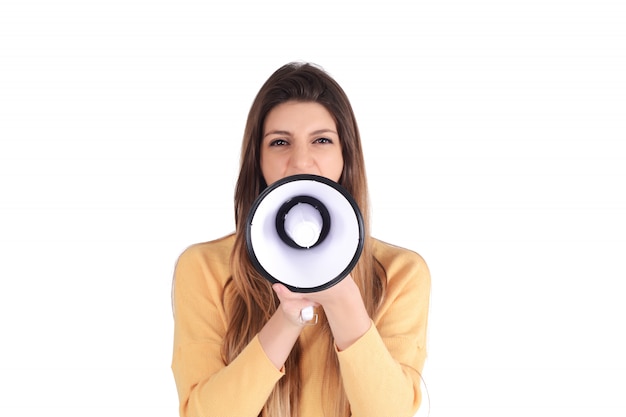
[(283, 292), (299, 300), (279, 288)]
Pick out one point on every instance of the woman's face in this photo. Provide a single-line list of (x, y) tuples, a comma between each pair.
[(300, 138)]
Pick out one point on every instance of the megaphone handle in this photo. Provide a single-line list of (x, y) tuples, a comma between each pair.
[(307, 316)]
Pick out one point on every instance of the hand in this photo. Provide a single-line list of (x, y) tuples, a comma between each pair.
[(345, 311), (342, 304), (282, 330), (338, 293), (292, 303)]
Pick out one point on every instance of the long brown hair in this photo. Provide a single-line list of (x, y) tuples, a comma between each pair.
[(254, 302)]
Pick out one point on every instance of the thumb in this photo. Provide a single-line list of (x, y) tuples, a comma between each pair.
[(279, 289)]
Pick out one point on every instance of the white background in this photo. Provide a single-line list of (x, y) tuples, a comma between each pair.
[(494, 133)]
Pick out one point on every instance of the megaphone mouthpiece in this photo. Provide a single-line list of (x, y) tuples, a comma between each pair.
[(303, 222)]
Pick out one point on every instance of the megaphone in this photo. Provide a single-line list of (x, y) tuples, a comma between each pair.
[(305, 232)]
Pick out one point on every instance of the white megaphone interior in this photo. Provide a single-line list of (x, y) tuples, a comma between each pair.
[(303, 224), (305, 268)]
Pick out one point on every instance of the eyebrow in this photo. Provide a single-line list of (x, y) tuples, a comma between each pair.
[(277, 132), (286, 133)]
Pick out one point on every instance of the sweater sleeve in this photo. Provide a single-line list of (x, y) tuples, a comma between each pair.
[(206, 386), (381, 370)]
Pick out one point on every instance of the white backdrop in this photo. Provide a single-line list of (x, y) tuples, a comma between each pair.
[(494, 134)]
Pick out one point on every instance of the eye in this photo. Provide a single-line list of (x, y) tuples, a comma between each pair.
[(278, 142), (323, 140)]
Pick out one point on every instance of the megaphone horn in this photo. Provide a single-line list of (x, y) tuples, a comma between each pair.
[(305, 232)]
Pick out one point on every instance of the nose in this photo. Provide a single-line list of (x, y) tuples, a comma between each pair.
[(301, 161)]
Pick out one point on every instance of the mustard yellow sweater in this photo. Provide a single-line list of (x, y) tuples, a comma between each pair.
[(380, 371)]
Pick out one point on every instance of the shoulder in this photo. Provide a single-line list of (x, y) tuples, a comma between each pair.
[(408, 289), (217, 250), (405, 271), (205, 259), (395, 259)]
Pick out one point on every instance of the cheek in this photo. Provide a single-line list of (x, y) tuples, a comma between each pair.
[(270, 169), (265, 170), (336, 168)]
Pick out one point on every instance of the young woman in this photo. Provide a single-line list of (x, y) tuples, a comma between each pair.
[(240, 347)]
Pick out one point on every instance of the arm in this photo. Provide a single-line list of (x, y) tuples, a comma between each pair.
[(206, 386), (380, 365), (345, 311), (381, 371), (283, 329)]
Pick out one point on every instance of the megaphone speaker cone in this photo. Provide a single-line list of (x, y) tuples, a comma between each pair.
[(306, 232)]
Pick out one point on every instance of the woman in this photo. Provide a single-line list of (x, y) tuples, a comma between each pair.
[(240, 346)]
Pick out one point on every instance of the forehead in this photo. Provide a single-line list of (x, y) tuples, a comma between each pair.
[(298, 115)]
